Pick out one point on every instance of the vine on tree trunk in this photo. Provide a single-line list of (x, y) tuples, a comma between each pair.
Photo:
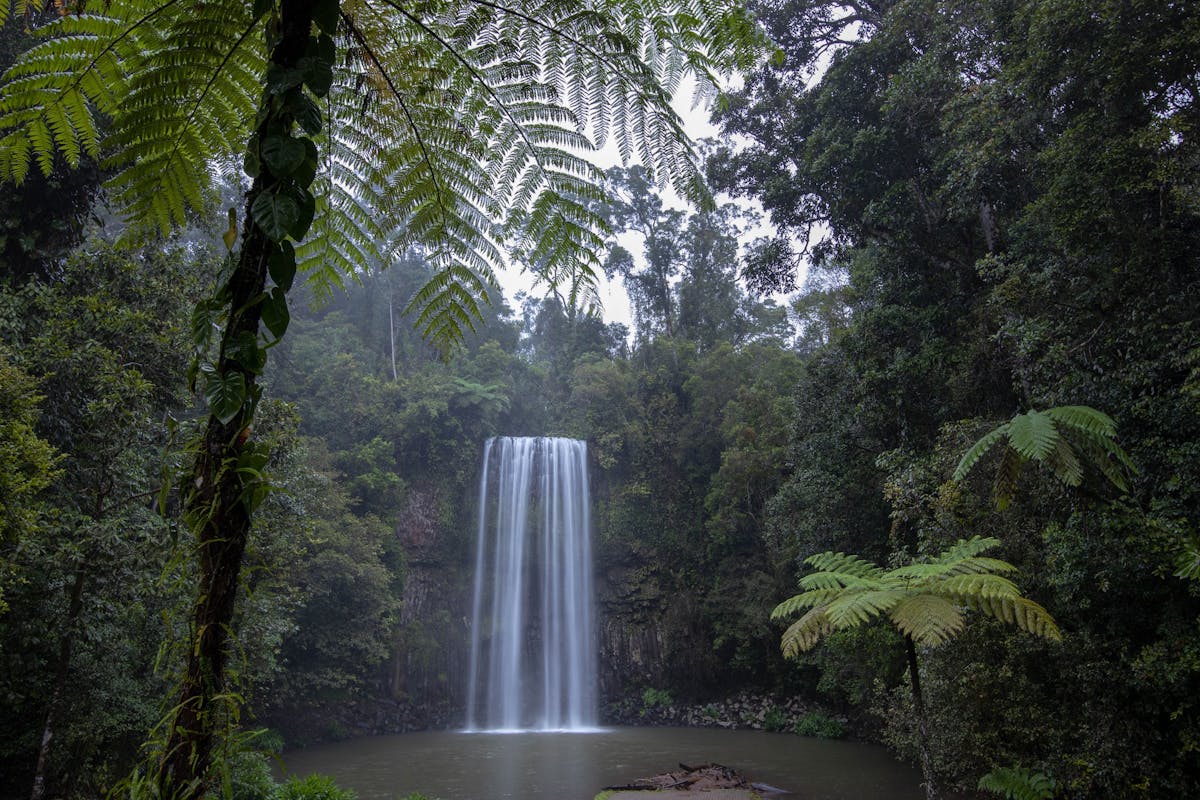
[(226, 482)]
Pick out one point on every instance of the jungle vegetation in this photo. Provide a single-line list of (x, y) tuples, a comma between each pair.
[(988, 214)]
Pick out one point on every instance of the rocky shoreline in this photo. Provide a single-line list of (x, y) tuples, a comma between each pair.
[(745, 710)]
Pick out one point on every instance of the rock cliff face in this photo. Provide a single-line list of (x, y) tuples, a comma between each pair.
[(651, 632), (428, 668)]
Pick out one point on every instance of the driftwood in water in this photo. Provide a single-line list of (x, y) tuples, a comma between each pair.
[(702, 778)]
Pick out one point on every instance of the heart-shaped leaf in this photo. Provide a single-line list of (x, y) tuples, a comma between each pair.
[(282, 154), (306, 209), (305, 111), (275, 213), (282, 265), (275, 314), (225, 394)]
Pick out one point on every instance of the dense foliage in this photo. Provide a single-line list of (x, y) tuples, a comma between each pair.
[(996, 207), (1007, 191)]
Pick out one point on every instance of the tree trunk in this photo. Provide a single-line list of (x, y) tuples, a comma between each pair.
[(65, 646), (213, 504), (922, 722)]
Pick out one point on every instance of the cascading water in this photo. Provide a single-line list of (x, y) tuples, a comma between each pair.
[(533, 650)]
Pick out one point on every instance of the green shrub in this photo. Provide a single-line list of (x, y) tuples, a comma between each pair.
[(774, 720), (249, 775), (314, 787), (268, 741), (654, 698), (814, 723)]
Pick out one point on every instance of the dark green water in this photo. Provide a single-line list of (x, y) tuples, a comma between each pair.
[(575, 766)]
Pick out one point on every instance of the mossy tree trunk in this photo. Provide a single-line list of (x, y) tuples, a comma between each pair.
[(215, 505)]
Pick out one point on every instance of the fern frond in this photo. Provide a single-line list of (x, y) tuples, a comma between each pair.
[(927, 619), (1019, 611), (1018, 783), (841, 563), (855, 608), (1004, 488), (462, 127), (966, 589), (967, 548), (978, 450), (804, 633), (1065, 464), (20, 8), (1033, 435), (800, 602), (52, 93), (1083, 418), (825, 581)]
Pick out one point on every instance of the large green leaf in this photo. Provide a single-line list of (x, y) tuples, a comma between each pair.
[(225, 394), (276, 213), (283, 154), (282, 265), (244, 349), (275, 314)]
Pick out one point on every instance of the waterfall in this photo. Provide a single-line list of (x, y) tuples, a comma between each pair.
[(533, 649)]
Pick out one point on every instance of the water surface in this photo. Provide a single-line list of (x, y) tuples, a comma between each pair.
[(451, 765)]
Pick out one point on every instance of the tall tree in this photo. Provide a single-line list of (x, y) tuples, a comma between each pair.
[(462, 120)]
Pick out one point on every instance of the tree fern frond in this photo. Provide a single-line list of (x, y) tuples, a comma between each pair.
[(842, 563), (968, 548), (1083, 418), (466, 126), (1021, 612), (1004, 488), (838, 580), (1110, 460), (49, 93), (1018, 783), (1064, 463), (19, 8), (1039, 435), (978, 450), (1033, 435), (855, 608), (927, 619), (804, 633), (798, 602), (965, 589)]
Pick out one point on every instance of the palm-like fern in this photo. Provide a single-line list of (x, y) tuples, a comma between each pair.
[(464, 125), (1018, 783), (925, 601), (1064, 439)]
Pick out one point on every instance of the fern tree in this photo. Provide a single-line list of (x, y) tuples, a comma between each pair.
[(926, 601), (363, 127), (1065, 439), (1018, 783)]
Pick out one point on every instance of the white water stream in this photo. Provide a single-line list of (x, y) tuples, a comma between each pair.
[(533, 650)]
